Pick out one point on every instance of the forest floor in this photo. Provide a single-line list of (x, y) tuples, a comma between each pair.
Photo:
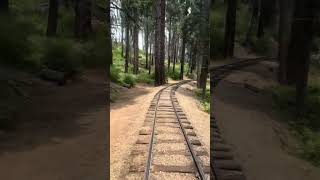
[(263, 144), (128, 114), (60, 132)]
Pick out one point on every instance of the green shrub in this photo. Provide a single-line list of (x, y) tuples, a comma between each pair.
[(129, 79), (62, 55), (115, 74), (262, 45), (145, 78), (174, 75), (204, 99), (310, 146), (14, 44), (94, 53), (307, 126)]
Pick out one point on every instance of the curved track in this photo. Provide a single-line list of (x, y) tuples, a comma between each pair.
[(167, 147), (223, 165)]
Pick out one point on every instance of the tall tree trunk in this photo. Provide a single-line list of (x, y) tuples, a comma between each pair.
[(266, 15), (159, 42), (260, 30), (126, 66), (52, 18), (174, 55), (108, 33), (150, 56), (253, 19), (183, 50), (83, 24), (300, 46), (193, 57), (122, 43), (173, 46), (205, 41), (230, 28), (4, 6), (109, 57), (284, 38), (183, 46), (146, 38), (169, 44), (135, 49)]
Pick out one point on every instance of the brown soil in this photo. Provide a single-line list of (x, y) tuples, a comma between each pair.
[(249, 123), (60, 132), (127, 115)]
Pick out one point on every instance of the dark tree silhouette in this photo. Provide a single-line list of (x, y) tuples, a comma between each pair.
[(83, 25), (53, 18), (286, 10), (4, 5), (205, 45), (135, 49), (230, 28), (159, 46), (300, 46)]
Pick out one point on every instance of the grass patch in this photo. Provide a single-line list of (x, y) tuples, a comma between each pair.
[(145, 77), (204, 98), (129, 79), (117, 69), (307, 127)]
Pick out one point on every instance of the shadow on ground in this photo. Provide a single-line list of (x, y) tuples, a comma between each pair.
[(51, 112)]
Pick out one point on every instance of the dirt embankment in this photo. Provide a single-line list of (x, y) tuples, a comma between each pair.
[(127, 114), (249, 123), (59, 133)]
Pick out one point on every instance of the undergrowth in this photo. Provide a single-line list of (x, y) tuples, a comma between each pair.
[(305, 127), (204, 98), (117, 72)]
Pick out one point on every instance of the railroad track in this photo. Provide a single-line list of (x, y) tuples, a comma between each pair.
[(167, 146), (223, 164), (220, 72)]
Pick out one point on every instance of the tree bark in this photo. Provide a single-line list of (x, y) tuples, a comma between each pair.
[(169, 45), (266, 10), (159, 47), (183, 49), (127, 57), (205, 47), (146, 37), (150, 57), (83, 24), (284, 38), (52, 18), (253, 19), (108, 33), (260, 30), (299, 50), (122, 44), (230, 28), (175, 54), (193, 57), (135, 49)]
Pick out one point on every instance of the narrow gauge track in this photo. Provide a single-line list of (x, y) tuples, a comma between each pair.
[(167, 147), (222, 164), (220, 72)]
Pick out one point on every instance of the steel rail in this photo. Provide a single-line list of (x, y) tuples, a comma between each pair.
[(200, 171), (150, 149)]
